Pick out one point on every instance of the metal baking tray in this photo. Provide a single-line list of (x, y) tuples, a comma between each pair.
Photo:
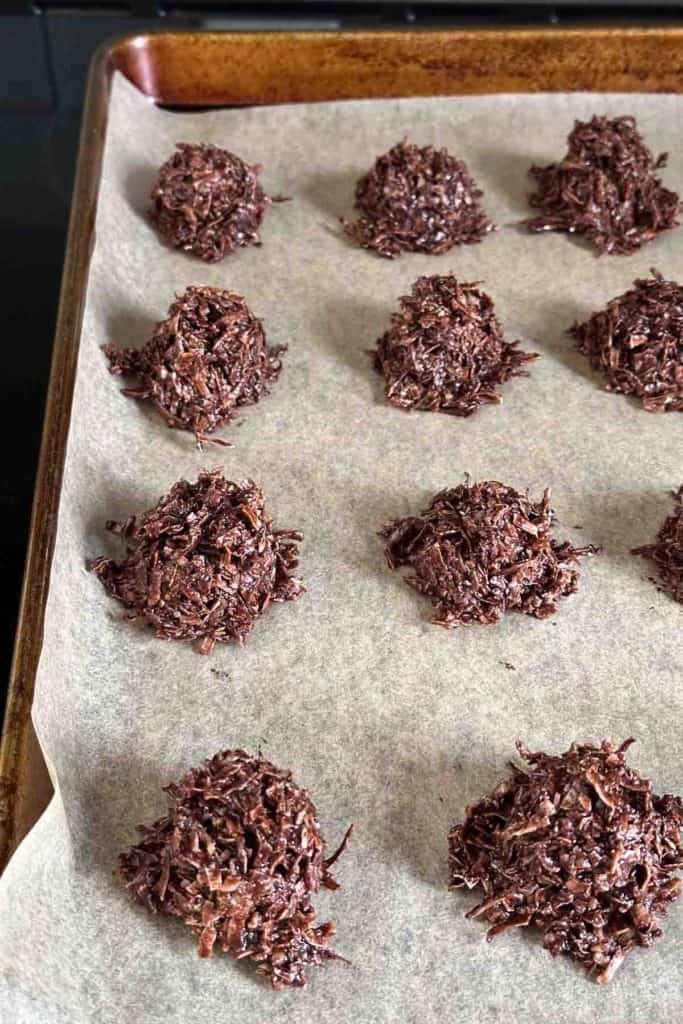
[(229, 69)]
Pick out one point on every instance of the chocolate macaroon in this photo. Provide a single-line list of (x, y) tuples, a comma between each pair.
[(417, 199), (637, 343), (238, 856), (482, 549), (204, 361), (204, 564), (208, 201), (578, 846), (606, 188), (667, 551), (445, 350)]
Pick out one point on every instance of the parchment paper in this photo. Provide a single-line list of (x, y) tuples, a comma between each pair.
[(391, 722)]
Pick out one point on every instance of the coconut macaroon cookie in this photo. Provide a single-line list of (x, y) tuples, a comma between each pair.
[(205, 360), (238, 856), (208, 201), (606, 188), (204, 564), (577, 845), (482, 549), (636, 342), (417, 199), (445, 350)]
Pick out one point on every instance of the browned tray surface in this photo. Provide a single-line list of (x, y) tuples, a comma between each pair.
[(214, 69)]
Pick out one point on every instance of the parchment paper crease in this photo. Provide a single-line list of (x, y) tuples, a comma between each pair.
[(392, 723)]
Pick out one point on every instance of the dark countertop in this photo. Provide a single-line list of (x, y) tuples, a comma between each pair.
[(37, 154), (44, 58)]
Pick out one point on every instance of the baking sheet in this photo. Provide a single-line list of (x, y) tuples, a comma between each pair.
[(391, 722)]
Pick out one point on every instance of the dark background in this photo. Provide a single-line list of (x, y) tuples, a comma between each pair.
[(45, 51)]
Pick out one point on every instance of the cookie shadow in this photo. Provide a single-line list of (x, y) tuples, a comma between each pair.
[(559, 344), (130, 327), (506, 173), (619, 521), (119, 494), (430, 796), (349, 332), (111, 803), (137, 189), (370, 509), (105, 806), (332, 195), (509, 173), (183, 441), (332, 198), (427, 796)]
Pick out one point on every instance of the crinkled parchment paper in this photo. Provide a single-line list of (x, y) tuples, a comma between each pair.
[(391, 722)]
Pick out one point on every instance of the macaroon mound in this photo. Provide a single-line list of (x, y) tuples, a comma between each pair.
[(480, 550), (204, 564), (204, 361), (208, 201), (238, 856), (445, 350), (577, 845), (606, 188), (417, 199), (637, 343)]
